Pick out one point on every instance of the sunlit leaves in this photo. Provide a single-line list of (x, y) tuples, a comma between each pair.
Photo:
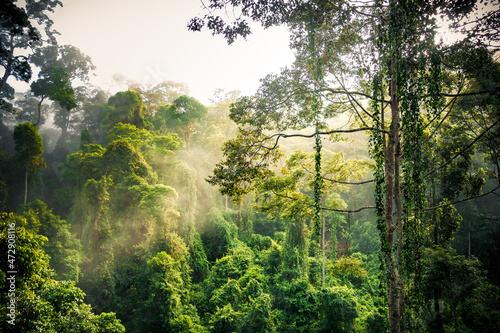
[(247, 160), (126, 107), (135, 136), (122, 159), (182, 116), (42, 303), (84, 164), (29, 147), (62, 246)]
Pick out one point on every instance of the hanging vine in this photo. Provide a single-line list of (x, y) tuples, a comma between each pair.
[(405, 40), (316, 106)]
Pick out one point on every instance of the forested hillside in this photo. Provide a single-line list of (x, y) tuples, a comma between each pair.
[(356, 191)]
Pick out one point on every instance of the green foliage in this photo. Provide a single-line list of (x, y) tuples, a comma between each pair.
[(232, 266), (43, 304), (127, 108), (68, 313), (160, 94), (62, 247), (198, 260), (182, 117), (165, 292), (218, 235), (128, 132), (54, 84), (19, 26), (338, 310), (159, 252), (260, 316), (238, 174), (226, 319), (295, 250), (168, 142), (86, 137), (84, 164), (445, 223), (259, 243), (184, 323), (297, 305), (159, 201), (121, 159), (67, 57), (457, 282), (349, 271), (456, 176), (29, 147)]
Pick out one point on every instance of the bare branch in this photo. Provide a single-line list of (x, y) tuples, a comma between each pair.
[(463, 150), (452, 102), (348, 210)]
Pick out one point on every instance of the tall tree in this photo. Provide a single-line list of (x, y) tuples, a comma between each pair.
[(29, 148), (378, 62), (53, 84), (76, 67), (18, 32), (182, 116), (75, 63), (126, 107)]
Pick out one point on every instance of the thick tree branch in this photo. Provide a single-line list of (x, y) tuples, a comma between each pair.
[(278, 136), (326, 208), (339, 181), (465, 199), (348, 210), (473, 93)]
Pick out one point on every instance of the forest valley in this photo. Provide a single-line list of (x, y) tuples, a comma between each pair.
[(356, 191)]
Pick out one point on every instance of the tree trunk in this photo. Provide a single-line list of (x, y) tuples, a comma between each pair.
[(399, 224), (8, 68), (239, 213), (394, 281), (26, 186), (348, 238), (437, 311), (39, 112), (469, 242), (323, 250)]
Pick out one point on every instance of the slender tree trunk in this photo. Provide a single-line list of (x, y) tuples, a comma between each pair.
[(469, 245), (437, 311), (8, 68), (39, 111), (26, 185), (239, 213), (399, 224), (348, 240), (323, 250), (394, 282)]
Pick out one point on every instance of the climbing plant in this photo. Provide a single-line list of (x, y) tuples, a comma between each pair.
[(377, 62)]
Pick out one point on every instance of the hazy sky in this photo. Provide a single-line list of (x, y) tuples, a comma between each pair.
[(148, 41)]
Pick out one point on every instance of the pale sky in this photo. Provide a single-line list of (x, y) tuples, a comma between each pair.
[(148, 41)]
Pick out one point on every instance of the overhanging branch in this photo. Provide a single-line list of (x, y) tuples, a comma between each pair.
[(326, 208), (465, 199)]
